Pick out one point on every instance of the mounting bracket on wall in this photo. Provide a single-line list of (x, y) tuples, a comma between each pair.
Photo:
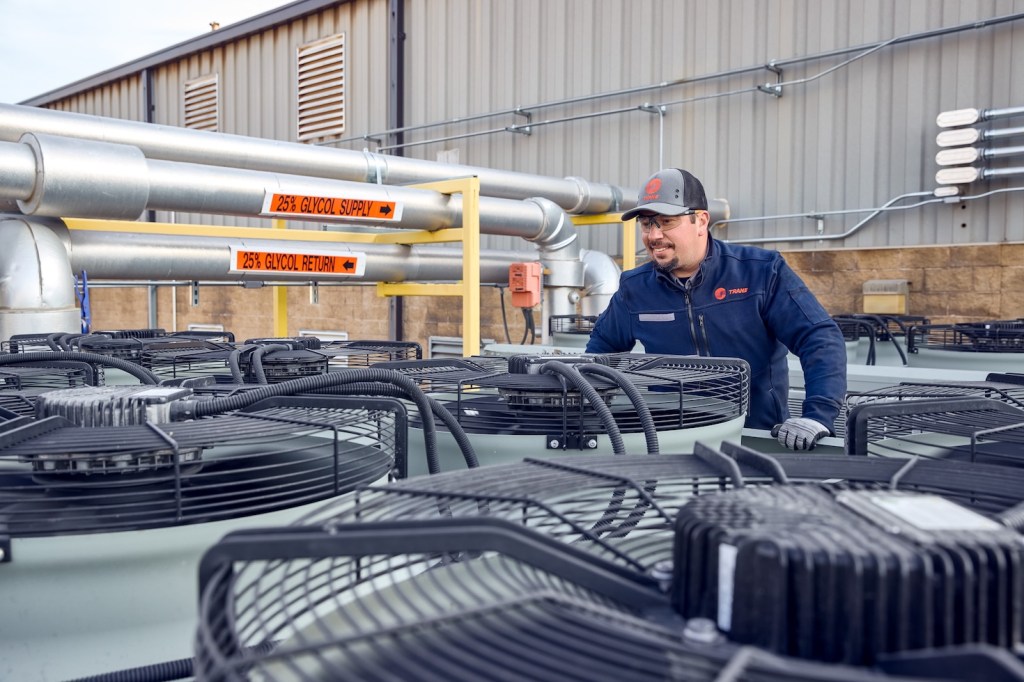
[(820, 222), (653, 108), (773, 89), (524, 129), (195, 293)]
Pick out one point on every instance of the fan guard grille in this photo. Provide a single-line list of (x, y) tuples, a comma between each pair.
[(59, 478), (373, 581)]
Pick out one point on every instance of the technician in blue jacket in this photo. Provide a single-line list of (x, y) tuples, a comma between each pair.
[(700, 296)]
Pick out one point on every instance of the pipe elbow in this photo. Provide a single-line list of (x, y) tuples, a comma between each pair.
[(557, 238), (36, 281)]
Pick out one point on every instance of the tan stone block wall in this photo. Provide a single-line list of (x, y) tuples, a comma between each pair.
[(947, 284)]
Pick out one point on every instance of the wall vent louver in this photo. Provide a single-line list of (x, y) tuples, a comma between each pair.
[(321, 89), (202, 103)]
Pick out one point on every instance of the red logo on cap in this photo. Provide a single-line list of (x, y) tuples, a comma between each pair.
[(653, 186), (719, 293)]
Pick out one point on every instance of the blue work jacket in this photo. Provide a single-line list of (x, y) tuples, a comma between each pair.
[(743, 302)]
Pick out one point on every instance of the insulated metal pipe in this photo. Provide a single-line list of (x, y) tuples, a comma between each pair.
[(120, 255), (53, 176), (171, 143)]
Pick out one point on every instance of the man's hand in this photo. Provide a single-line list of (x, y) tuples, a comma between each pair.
[(800, 433)]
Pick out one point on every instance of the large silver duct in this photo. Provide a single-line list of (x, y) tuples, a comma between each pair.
[(48, 175), (170, 143), (54, 176), (45, 252)]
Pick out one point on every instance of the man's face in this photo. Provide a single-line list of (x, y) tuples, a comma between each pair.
[(676, 244)]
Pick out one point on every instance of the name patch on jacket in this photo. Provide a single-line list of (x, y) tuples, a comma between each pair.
[(657, 317)]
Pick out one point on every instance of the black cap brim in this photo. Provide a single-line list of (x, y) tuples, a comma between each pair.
[(655, 207)]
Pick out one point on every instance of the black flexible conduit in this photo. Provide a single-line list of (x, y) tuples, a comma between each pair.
[(256, 360), (233, 365), (635, 397), (453, 425), (590, 393), (54, 341), (882, 327), (194, 409), (137, 371), (167, 671)]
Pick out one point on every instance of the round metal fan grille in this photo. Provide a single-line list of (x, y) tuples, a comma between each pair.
[(284, 452), (544, 569)]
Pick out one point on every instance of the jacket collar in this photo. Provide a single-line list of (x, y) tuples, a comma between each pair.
[(698, 277)]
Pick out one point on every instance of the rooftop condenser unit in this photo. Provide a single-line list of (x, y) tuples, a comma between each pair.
[(109, 495), (994, 346), (971, 427), (628, 403), (724, 565), (184, 355)]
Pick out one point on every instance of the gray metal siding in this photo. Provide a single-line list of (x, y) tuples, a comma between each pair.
[(852, 136)]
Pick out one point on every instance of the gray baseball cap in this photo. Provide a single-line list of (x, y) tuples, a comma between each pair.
[(671, 191)]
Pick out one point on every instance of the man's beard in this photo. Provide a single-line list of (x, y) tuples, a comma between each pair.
[(668, 268)]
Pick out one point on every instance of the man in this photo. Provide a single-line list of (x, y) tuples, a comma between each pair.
[(700, 296)]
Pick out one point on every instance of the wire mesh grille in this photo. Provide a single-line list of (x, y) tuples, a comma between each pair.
[(1003, 336), (407, 581), (486, 397), (58, 478), (973, 429)]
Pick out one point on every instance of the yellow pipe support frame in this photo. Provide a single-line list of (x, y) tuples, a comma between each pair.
[(469, 235), (280, 295), (628, 233)]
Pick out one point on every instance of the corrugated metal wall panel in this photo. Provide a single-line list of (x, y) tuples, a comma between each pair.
[(853, 133), (852, 136)]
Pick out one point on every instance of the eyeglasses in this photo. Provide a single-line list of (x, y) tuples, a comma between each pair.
[(662, 222)]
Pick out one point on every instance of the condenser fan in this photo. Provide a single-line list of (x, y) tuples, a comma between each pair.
[(575, 569), (112, 458), (619, 402), (971, 428), (110, 494), (998, 336), (996, 346)]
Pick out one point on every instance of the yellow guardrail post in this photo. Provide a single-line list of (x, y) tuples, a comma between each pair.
[(280, 295), (469, 235)]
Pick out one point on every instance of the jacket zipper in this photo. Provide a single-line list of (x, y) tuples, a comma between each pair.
[(689, 315), (704, 333)]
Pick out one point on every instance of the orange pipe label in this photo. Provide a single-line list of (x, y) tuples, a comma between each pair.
[(331, 207), (245, 260)]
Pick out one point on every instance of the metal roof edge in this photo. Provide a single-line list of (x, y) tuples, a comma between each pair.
[(205, 41)]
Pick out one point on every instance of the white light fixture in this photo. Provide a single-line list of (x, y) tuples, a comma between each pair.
[(963, 175), (958, 117), (958, 156), (958, 137), (946, 191)]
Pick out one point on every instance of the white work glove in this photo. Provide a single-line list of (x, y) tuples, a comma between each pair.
[(801, 433)]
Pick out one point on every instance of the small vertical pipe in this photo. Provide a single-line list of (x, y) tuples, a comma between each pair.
[(148, 107), (153, 323), (396, 119)]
